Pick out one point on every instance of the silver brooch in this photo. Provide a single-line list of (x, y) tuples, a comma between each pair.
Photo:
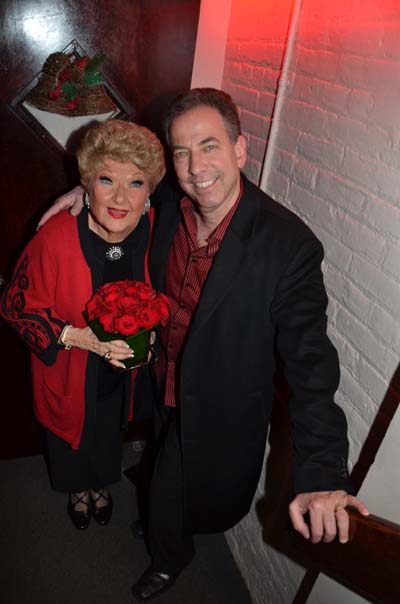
[(115, 252)]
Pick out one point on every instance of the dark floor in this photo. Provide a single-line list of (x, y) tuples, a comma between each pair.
[(45, 560)]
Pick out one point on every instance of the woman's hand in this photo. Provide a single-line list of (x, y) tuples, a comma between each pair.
[(72, 200), (113, 352)]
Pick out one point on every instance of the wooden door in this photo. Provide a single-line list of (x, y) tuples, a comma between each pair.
[(149, 47)]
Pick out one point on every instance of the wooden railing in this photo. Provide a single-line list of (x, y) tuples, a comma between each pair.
[(369, 564)]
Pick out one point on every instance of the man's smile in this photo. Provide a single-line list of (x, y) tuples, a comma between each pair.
[(204, 184)]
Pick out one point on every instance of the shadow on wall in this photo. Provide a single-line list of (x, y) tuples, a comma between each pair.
[(379, 427), (272, 508)]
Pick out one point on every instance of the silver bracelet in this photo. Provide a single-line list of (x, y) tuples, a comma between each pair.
[(61, 339)]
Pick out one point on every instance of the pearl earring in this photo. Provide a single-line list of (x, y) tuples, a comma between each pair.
[(86, 200)]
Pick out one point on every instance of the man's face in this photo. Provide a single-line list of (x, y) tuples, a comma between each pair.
[(206, 161)]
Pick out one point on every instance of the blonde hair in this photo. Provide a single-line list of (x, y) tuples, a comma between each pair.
[(123, 142)]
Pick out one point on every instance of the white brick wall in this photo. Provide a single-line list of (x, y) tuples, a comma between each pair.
[(335, 160), (254, 53)]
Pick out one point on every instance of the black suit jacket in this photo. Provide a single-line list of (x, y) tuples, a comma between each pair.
[(263, 294)]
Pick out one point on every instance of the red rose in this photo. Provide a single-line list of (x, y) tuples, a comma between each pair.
[(111, 288), (82, 63), (108, 321), (145, 292), (64, 75), (126, 325), (128, 304), (162, 305), (93, 308), (147, 317), (111, 299), (72, 104), (55, 94), (133, 297), (131, 292)]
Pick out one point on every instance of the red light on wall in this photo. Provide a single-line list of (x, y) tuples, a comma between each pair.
[(259, 19)]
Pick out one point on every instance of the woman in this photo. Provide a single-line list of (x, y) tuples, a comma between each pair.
[(80, 399)]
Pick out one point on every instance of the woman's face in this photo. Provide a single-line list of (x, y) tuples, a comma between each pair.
[(117, 197)]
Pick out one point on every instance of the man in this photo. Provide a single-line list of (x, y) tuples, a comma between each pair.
[(243, 275)]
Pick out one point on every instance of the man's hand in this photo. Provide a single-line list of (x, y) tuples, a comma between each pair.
[(73, 200), (327, 513)]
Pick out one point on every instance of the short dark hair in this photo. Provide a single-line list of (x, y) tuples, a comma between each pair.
[(209, 97)]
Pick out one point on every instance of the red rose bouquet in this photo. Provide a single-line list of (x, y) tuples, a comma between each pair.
[(127, 310)]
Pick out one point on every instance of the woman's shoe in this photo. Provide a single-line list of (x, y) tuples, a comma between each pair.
[(80, 518), (102, 514)]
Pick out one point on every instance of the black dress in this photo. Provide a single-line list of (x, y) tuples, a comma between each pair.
[(97, 462)]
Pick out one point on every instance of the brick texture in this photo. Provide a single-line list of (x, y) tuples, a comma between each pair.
[(335, 160)]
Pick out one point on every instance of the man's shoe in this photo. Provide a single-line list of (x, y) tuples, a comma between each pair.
[(137, 530), (151, 584), (80, 518), (101, 514)]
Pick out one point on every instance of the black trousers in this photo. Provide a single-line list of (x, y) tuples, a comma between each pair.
[(170, 542)]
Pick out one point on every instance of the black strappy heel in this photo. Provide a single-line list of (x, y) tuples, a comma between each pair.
[(102, 515), (80, 518)]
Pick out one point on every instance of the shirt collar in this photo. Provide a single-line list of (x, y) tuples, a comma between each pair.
[(215, 238)]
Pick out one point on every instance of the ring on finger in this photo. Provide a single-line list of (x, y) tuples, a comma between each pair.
[(107, 355)]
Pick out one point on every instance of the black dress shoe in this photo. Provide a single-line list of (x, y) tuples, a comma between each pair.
[(152, 584), (137, 530), (101, 514), (80, 518)]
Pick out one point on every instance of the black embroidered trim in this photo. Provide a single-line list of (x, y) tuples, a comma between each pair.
[(32, 328)]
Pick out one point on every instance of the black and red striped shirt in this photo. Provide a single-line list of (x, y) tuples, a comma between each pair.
[(187, 270)]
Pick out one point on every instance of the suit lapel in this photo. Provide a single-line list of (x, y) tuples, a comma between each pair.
[(225, 267), (228, 262)]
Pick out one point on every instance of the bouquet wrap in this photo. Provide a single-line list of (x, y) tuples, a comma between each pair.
[(139, 343)]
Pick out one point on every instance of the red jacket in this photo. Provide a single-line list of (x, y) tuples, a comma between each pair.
[(50, 286)]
